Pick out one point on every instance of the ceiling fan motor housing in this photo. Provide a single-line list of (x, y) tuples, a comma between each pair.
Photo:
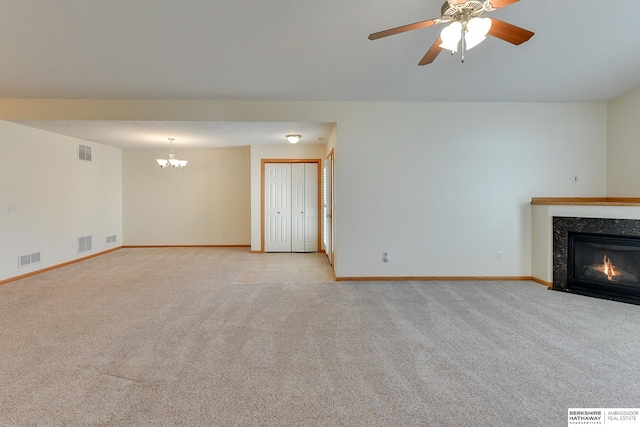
[(452, 11)]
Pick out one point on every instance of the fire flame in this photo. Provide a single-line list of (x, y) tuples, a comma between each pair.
[(607, 267)]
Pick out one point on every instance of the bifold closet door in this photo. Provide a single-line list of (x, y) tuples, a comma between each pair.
[(304, 207), (291, 207), (277, 207)]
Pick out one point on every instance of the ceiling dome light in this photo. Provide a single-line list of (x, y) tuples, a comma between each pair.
[(293, 138), (450, 36)]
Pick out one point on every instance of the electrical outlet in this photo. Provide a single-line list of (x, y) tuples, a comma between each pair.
[(11, 209), (385, 256), (499, 255)]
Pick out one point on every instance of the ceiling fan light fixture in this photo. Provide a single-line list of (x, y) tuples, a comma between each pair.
[(479, 25), (477, 30), (473, 41), (293, 138), (451, 35)]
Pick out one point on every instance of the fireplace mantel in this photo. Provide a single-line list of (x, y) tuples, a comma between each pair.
[(545, 208), (586, 201)]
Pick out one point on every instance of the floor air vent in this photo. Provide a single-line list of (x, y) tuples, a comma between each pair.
[(24, 260), (84, 244), (84, 152), (112, 239)]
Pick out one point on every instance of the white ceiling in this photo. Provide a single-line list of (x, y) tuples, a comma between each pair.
[(582, 51), (192, 134)]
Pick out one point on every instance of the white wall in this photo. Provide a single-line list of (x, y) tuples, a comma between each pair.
[(623, 155), (283, 151), (435, 184), (57, 198), (207, 203)]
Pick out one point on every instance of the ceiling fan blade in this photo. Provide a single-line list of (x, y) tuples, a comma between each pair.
[(403, 29), (497, 4), (432, 53), (509, 33)]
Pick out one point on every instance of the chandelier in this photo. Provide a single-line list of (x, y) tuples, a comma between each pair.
[(172, 161)]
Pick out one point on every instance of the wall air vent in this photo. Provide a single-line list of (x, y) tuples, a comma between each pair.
[(112, 239), (24, 260), (28, 259), (84, 152), (84, 244)]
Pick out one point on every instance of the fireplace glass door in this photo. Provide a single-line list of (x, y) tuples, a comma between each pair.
[(604, 265)]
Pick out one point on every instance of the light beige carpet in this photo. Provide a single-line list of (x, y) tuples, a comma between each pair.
[(194, 337)]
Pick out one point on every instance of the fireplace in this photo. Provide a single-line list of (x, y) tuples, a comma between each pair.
[(604, 265), (597, 257)]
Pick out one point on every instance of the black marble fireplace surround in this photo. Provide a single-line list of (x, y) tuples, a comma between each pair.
[(566, 229)]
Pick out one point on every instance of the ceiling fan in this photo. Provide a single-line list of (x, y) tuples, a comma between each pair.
[(466, 25)]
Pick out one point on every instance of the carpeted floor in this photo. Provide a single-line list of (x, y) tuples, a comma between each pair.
[(194, 337)]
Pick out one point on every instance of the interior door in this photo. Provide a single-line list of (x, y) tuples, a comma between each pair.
[(277, 207)]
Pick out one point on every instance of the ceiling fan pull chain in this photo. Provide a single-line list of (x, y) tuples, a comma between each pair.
[(464, 30)]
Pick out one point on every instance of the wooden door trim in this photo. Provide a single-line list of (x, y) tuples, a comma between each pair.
[(262, 166), (331, 156)]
